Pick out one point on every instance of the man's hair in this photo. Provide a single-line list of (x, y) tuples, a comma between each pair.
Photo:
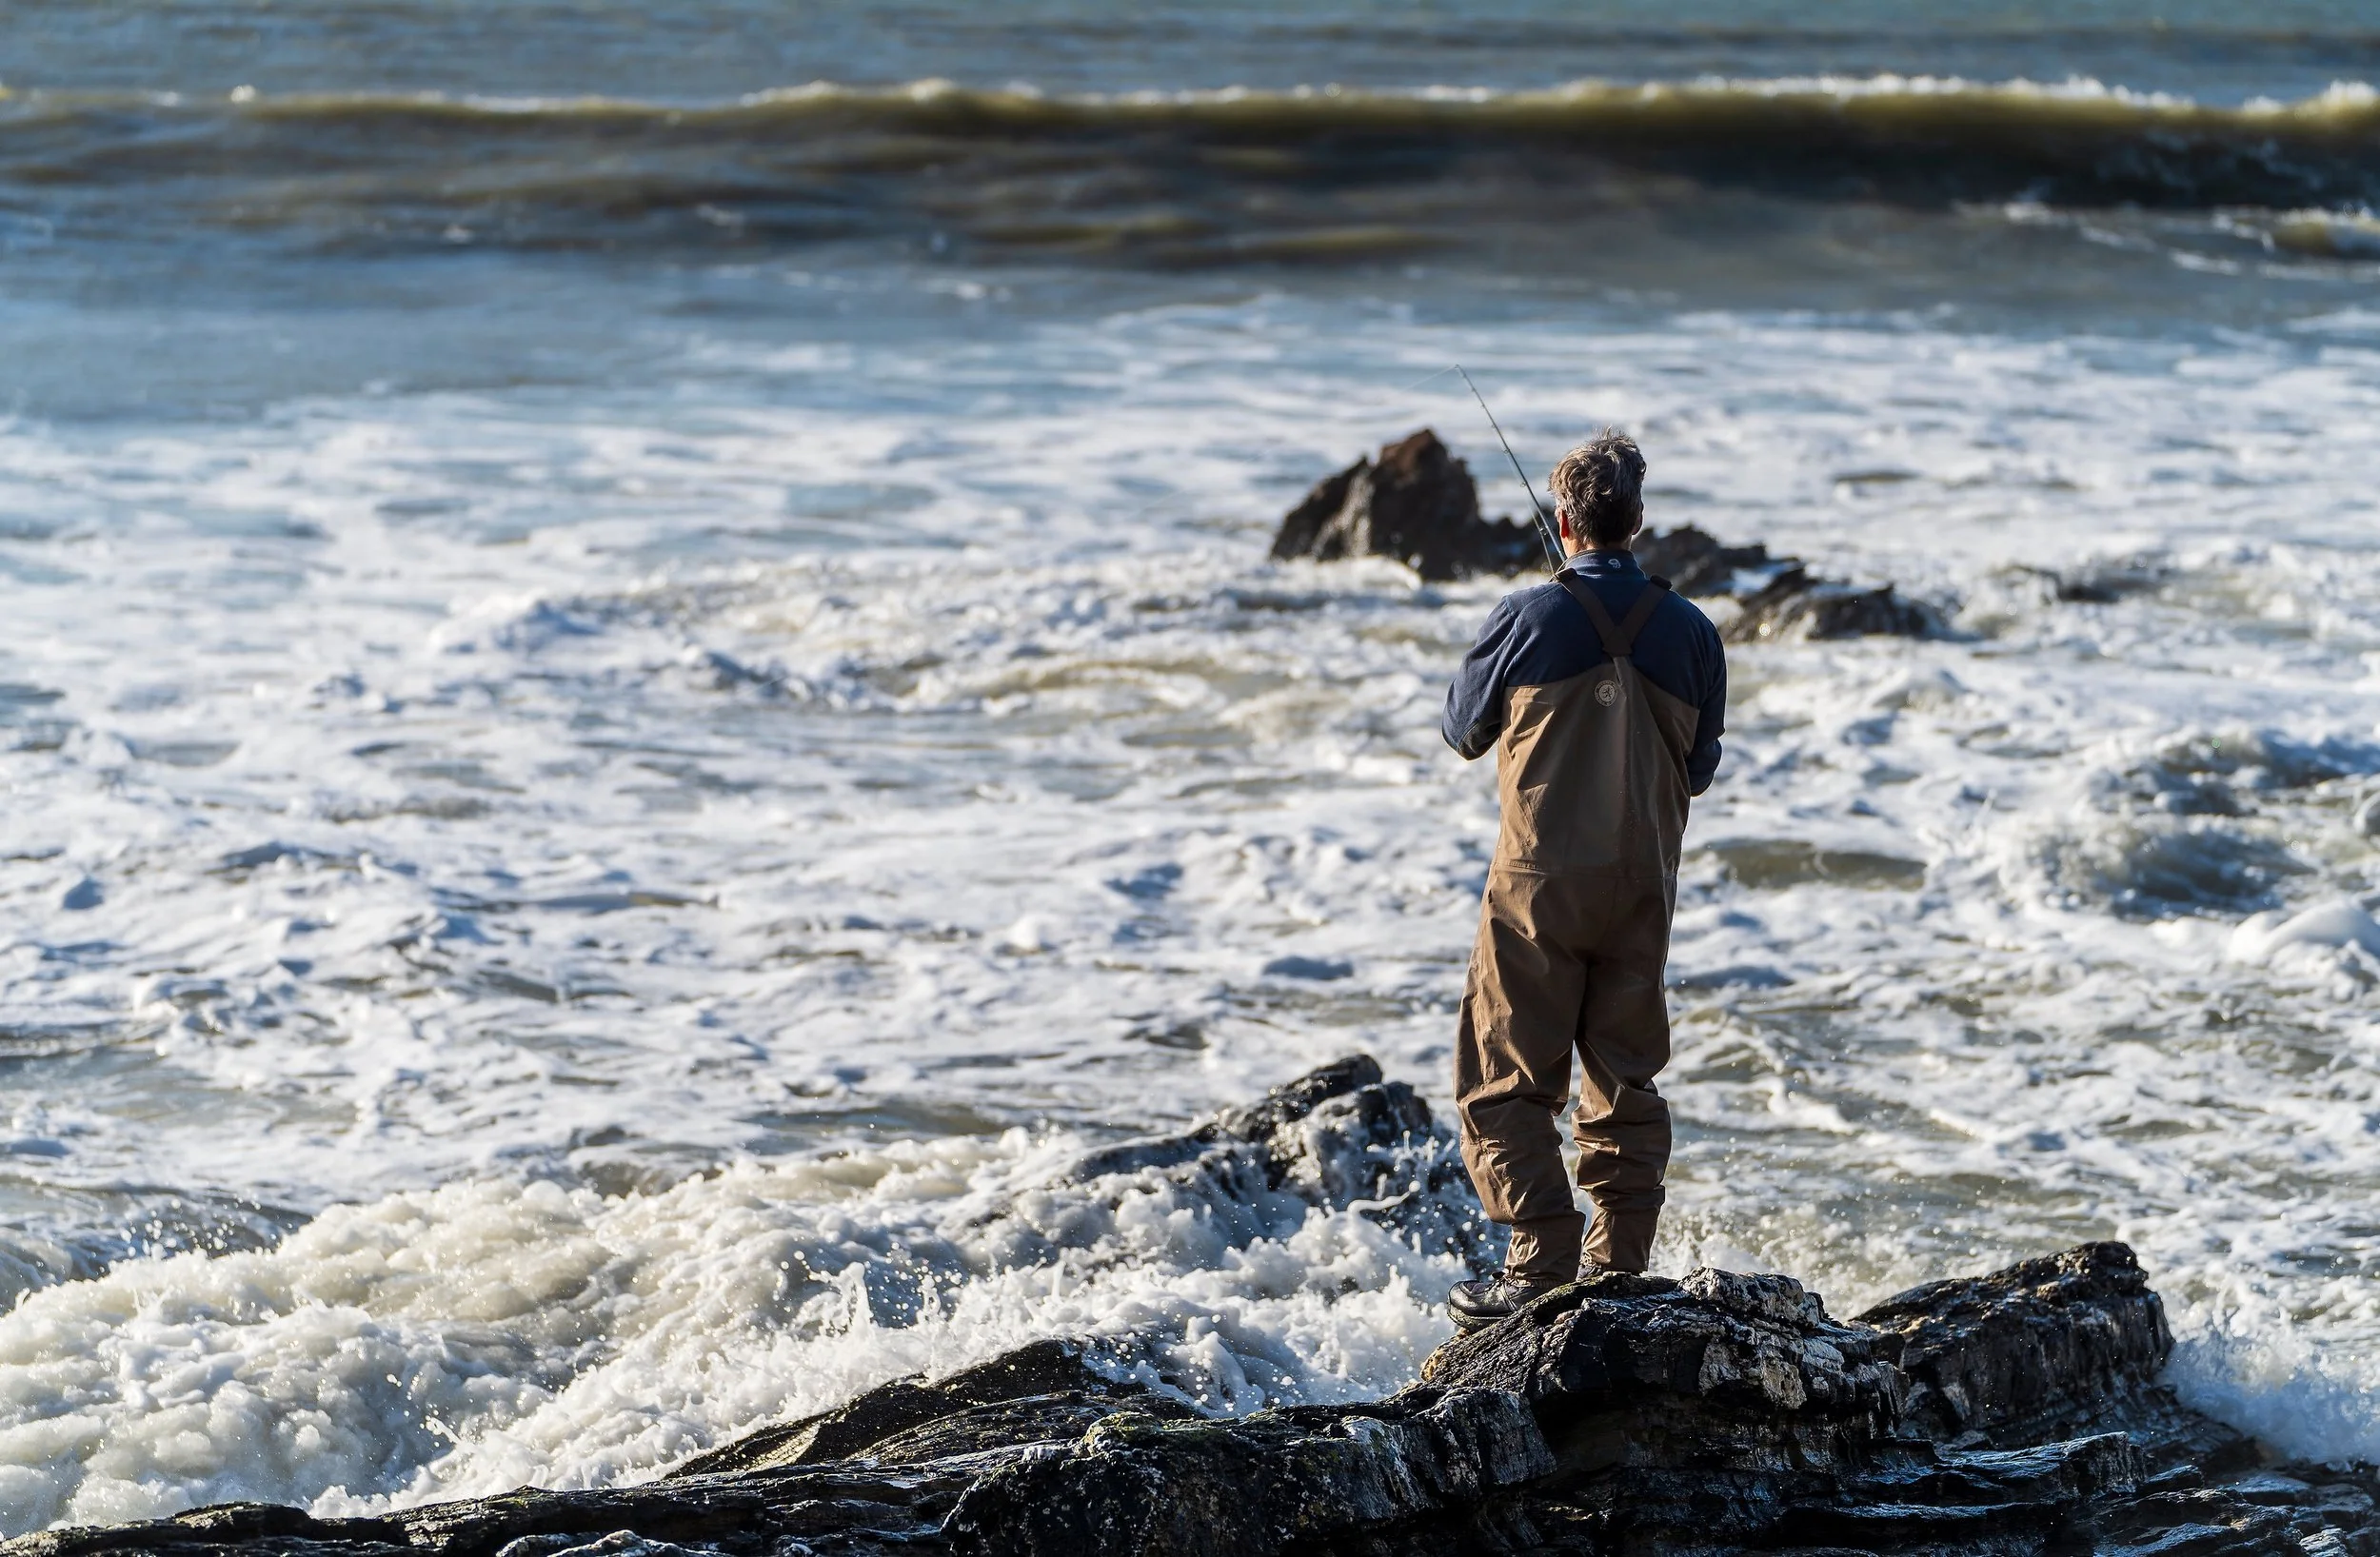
[(1602, 483)]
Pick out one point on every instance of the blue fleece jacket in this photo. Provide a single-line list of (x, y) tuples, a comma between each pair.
[(1540, 635)]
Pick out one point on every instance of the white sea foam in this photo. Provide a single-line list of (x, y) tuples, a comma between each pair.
[(467, 808), (471, 1339)]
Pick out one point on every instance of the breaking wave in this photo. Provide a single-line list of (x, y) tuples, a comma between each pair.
[(474, 1337), (1172, 176)]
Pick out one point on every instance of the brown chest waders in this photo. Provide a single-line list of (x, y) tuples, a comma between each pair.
[(1573, 938)]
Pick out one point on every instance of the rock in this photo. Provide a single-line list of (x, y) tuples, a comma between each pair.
[(1720, 1402), (2028, 1352), (1336, 1137), (2017, 1412), (2102, 582), (1795, 605), (1698, 563), (1416, 503), (1778, 597), (1273, 1482), (1048, 1390)]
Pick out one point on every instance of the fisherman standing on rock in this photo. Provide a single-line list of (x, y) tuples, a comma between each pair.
[(1603, 694)]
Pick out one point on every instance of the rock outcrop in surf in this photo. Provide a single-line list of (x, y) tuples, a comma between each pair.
[(1778, 597), (1416, 504), (2017, 1412)]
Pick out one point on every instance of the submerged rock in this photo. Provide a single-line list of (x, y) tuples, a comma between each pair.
[(1340, 1138), (2018, 1412), (2101, 583), (1416, 503)]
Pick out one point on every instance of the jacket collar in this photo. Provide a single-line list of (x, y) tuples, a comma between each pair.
[(1606, 564)]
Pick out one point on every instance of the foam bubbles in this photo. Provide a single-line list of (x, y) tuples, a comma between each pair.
[(598, 888), (474, 1337), (2334, 925)]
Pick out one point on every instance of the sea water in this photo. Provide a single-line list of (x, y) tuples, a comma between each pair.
[(643, 686)]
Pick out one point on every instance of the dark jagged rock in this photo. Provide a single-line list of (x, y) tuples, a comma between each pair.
[(1033, 1394), (2027, 1352), (1750, 1369), (1337, 1139), (1278, 1481), (1795, 605), (1695, 563), (1778, 597), (1416, 503), (1337, 1136), (2015, 1413)]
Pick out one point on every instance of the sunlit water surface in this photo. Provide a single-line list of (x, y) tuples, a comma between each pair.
[(578, 811)]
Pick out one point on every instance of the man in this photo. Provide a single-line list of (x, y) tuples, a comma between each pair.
[(1603, 694)]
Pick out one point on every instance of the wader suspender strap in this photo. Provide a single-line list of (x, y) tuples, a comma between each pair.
[(1620, 637)]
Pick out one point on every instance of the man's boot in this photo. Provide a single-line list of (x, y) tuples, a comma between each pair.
[(1475, 1305)]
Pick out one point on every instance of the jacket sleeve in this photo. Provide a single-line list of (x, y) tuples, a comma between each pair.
[(1703, 763), (1475, 704)]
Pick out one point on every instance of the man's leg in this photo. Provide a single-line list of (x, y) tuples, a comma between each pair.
[(1511, 1069), (1622, 1123)]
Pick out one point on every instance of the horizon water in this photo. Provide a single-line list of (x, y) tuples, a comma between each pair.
[(645, 682)]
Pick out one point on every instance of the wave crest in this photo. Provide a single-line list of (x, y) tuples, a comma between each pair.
[(1315, 175)]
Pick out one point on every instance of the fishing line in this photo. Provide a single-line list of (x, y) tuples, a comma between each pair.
[(1545, 525)]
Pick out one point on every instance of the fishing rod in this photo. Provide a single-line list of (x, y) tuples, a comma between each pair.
[(1545, 525)]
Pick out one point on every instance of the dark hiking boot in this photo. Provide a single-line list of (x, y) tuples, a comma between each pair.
[(1475, 1305)]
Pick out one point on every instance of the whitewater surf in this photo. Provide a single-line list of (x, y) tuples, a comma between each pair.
[(640, 691)]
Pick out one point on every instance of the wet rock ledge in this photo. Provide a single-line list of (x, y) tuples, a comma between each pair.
[(1419, 505), (2017, 1412)]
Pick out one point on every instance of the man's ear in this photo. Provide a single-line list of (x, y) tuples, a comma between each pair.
[(1561, 517)]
